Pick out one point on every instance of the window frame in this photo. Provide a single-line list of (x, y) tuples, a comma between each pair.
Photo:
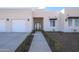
[(73, 21), (76, 22), (53, 22)]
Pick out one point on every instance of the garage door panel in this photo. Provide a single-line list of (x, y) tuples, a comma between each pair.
[(18, 26), (2, 25)]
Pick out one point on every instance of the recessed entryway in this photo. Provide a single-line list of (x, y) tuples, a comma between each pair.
[(38, 23)]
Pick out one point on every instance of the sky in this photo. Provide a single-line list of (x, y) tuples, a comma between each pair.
[(50, 8), (54, 8)]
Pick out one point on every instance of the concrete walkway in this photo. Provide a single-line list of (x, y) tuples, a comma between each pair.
[(39, 43)]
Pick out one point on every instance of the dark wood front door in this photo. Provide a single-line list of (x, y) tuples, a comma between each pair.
[(38, 23), (38, 26)]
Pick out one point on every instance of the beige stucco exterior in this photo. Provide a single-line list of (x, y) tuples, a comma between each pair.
[(46, 16), (70, 12), (16, 14), (27, 15)]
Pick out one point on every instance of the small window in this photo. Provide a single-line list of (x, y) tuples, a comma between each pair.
[(52, 22), (76, 22), (73, 21)]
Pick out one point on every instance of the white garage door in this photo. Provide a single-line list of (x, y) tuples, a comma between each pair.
[(2, 25), (18, 26)]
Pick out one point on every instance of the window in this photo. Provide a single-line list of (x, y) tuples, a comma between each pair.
[(76, 22), (73, 21), (69, 22), (52, 22)]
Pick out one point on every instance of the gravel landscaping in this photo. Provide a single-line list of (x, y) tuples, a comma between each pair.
[(63, 42), (25, 45)]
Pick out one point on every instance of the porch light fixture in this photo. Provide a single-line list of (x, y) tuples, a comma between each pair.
[(28, 19), (7, 19), (66, 19)]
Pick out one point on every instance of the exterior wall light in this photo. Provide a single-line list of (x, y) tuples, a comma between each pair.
[(66, 19), (7, 19), (28, 19)]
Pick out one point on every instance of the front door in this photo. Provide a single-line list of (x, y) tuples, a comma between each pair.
[(37, 26), (38, 23)]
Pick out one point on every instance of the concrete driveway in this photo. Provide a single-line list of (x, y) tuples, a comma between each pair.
[(11, 40)]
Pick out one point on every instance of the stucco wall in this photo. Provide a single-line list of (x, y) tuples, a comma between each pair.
[(60, 22), (17, 14), (46, 16), (28, 13), (70, 12)]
